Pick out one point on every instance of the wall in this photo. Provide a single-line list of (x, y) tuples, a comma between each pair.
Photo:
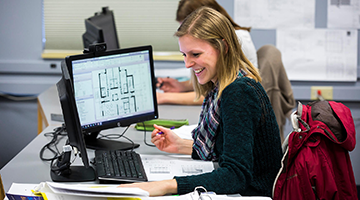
[(23, 71)]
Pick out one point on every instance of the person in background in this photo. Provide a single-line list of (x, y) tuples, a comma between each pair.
[(176, 92), (237, 126)]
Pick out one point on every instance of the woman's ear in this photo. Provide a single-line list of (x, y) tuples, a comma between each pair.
[(226, 45)]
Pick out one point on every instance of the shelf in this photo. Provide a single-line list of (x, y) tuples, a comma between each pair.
[(158, 55)]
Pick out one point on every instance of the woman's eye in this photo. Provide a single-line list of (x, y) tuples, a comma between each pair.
[(184, 55), (196, 54)]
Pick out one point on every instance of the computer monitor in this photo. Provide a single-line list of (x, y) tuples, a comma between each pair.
[(61, 170), (113, 89), (101, 28)]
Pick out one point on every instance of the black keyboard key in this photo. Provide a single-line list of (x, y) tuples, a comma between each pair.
[(138, 168), (127, 168), (121, 167), (110, 166), (115, 163), (106, 165), (132, 168)]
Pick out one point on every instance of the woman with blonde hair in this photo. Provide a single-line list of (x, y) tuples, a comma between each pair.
[(173, 87), (237, 126)]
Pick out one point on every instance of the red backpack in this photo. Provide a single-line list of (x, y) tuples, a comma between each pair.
[(316, 162)]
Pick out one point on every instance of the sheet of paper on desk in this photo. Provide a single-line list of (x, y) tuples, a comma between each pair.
[(49, 194), (54, 196), (185, 131), (95, 190), (194, 196), (163, 167)]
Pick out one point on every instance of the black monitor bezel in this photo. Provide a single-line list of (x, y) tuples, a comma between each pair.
[(71, 117), (129, 120), (61, 170)]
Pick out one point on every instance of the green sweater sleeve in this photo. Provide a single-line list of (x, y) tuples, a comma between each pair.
[(241, 120)]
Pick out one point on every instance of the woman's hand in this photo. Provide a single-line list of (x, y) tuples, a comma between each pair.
[(156, 188), (173, 85), (166, 140)]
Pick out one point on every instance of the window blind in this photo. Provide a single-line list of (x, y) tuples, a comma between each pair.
[(138, 22)]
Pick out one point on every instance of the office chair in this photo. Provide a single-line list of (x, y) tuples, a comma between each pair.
[(276, 84), (2, 191)]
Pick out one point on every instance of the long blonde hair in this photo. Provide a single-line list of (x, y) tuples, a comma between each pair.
[(208, 24)]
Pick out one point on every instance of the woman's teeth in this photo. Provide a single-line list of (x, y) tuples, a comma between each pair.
[(199, 70)]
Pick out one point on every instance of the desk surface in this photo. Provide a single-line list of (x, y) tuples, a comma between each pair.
[(27, 167)]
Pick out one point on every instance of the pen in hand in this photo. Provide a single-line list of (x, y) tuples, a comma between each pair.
[(162, 83), (159, 133)]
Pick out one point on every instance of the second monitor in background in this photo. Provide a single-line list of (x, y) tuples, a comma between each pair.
[(101, 28)]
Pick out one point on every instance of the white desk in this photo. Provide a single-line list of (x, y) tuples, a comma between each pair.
[(27, 167)]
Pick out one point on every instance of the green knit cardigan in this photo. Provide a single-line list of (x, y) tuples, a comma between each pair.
[(247, 144)]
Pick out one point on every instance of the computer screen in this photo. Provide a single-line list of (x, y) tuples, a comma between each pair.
[(101, 28), (61, 170), (112, 89)]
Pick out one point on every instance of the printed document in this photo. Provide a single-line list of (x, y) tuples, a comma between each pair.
[(319, 54), (343, 14), (163, 167), (273, 14)]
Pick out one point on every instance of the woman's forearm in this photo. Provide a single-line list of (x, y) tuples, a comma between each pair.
[(187, 86), (185, 147), (184, 98)]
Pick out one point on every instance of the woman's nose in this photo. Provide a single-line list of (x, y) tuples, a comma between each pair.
[(188, 62)]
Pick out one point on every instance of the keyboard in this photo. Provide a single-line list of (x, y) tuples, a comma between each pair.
[(119, 165)]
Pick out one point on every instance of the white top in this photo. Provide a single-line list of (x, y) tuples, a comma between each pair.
[(247, 46)]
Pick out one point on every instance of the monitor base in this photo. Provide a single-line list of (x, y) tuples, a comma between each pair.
[(102, 144), (93, 142), (77, 174)]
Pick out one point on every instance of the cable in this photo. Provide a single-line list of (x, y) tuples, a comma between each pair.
[(114, 136), (132, 142), (117, 136), (150, 145), (61, 166), (52, 145)]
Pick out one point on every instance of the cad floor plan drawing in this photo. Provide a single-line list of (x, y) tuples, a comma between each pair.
[(117, 91)]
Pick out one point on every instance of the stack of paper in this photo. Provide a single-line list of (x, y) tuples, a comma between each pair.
[(51, 190), (67, 191)]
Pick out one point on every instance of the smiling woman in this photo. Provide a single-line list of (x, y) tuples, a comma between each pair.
[(237, 126), (201, 57), (231, 57)]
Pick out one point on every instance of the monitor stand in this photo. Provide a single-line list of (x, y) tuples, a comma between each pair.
[(62, 171), (92, 142)]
